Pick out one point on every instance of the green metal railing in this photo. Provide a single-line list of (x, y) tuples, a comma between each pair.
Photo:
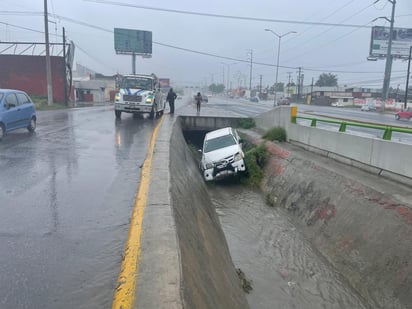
[(387, 130)]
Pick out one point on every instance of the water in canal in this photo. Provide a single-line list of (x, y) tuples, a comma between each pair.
[(286, 272)]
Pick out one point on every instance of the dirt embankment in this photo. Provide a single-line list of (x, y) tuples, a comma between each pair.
[(360, 222)]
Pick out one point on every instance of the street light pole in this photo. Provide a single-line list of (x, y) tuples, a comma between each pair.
[(279, 36)]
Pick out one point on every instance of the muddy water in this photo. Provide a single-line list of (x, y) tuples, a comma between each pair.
[(286, 272)]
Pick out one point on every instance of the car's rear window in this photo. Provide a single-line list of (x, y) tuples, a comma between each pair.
[(219, 142), (23, 98)]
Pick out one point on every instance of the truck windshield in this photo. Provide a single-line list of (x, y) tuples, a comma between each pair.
[(137, 83), (219, 142)]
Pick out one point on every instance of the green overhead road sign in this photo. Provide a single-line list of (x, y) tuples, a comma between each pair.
[(130, 41)]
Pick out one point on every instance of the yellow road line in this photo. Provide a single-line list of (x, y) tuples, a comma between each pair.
[(126, 284)]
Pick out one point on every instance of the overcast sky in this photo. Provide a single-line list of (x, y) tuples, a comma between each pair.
[(315, 48)]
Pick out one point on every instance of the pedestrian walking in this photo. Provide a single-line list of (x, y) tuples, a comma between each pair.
[(171, 97), (198, 99)]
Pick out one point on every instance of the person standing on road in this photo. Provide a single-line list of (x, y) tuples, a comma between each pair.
[(198, 99), (171, 97)]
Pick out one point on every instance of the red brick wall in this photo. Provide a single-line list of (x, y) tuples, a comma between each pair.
[(28, 73)]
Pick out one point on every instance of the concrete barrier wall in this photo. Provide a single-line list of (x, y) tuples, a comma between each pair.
[(277, 117), (207, 123), (387, 158)]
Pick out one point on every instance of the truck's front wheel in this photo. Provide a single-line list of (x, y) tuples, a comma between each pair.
[(118, 114), (152, 113)]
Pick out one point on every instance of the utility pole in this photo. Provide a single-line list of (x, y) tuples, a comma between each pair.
[(250, 75), (388, 64), (299, 83), (223, 76), (289, 73), (228, 77), (65, 68), (48, 64), (407, 79), (260, 84), (311, 92), (134, 63)]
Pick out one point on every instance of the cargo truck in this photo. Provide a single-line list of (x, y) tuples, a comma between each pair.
[(139, 94)]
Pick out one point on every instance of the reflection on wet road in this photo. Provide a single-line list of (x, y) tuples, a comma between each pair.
[(66, 195), (285, 271)]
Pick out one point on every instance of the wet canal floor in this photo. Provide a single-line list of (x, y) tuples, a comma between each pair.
[(284, 270)]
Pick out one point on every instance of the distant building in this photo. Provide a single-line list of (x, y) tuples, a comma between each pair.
[(92, 87), (351, 96)]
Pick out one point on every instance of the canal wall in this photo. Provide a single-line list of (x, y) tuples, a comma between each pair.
[(209, 278), (361, 223), (185, 261)]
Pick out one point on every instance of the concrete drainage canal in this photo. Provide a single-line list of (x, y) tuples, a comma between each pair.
[(277, 266), (304, 239)]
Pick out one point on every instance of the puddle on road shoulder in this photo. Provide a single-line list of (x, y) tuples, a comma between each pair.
[(285, 271)]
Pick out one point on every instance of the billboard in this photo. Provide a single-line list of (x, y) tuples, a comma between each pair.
[(130, 41), (164, 83), (401, 42)]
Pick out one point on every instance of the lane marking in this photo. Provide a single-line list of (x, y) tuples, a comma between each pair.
[(126, 283)]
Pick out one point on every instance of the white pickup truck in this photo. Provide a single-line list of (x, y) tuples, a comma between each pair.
[(139, 94)]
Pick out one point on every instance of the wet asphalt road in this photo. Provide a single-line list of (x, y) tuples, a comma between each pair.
[(66, 195)]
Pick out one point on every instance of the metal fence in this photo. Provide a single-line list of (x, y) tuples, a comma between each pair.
[(387, 130)]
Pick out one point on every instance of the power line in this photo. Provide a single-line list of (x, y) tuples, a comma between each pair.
[(20, 27), (23, 13), (210, 54), (94, 58), (310, 40), (220, 15), (195, 51), (322, 19), (326, 17)]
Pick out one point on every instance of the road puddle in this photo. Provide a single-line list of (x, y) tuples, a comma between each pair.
[(284, 270)]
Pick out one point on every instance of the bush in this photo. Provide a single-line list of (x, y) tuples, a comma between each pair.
[(41, 106), (276, 134), (247, 123), (41, 103), (255, 159)]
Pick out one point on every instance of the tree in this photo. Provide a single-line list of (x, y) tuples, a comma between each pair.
[(327, 80), (219, 88), (279, 87)]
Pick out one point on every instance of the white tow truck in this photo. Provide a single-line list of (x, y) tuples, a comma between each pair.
[(139, 94)]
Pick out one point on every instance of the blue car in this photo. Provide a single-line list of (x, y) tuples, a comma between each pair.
[(16, 111), (254, 99)]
